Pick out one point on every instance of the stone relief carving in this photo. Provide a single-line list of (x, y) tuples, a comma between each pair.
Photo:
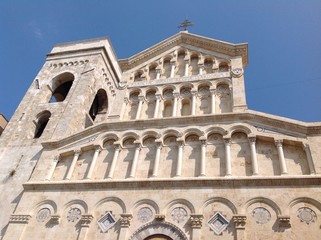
[(144, 214), (74, 214), (179, 214), (306, 215), (237, 72), (261, 215), (43, 214), (106, 221), (218, 223)]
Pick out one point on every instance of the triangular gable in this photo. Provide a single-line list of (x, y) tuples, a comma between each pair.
[(187, 39)]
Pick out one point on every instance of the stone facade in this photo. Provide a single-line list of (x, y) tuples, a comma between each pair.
[(157, 146)]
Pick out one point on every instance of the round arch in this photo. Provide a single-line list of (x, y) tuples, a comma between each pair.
[(164, 229)]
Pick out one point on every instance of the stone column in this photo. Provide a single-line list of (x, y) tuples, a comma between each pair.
[(176, 96), (180, 145), (124, 107), (52, 168), (114, 161), (16, 226), (158, 98), (239, 224), (93, 162), (196, 224), (139, 109), (84, 226), (158, 73), (194, 94), (213, 101), (227, 142), (157, 158), (201, 68), (125, 220), (135, 160), (203, 157), (307, 150), (73, 164), (172, 69), (279, 145), (186, 67), (255, 169)]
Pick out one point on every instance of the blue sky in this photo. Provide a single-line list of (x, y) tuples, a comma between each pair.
[(284, 36)]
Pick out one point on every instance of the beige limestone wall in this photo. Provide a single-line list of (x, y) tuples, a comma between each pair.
[(261, 206)]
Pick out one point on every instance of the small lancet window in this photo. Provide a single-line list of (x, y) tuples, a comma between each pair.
[(99, 105), (41, 123), (62, 85)]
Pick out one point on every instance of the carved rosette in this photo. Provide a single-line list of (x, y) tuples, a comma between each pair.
[(43, 214), (239, 221), (261, 215), (145, 214), (74, 214), (237, 72), (125, 219), (179, 214), (306, 215), (196, 220)]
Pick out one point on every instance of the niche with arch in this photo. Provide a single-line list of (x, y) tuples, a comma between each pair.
[(167, 165), (191, 156), (215, 155), (194, 64), (99, 106), (41, 123), (61, 87)]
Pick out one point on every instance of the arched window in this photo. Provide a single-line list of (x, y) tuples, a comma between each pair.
[(61, 86), (99, 105), (223, 67), (41, 123)]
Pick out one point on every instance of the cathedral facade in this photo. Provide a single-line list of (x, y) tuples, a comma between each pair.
[(158, 146)]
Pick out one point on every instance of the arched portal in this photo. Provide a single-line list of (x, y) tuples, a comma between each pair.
[(158, 237), (158, 231)]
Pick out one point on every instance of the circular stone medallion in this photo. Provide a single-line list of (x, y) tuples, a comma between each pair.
[(261, 215), (145, 214), (306, 215), (179, 214), (73, 214), (43, 214)]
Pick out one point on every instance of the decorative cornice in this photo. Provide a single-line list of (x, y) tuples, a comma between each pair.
[(154, 183), (19, 218)]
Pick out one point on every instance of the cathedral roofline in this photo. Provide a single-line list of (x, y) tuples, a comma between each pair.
[(227, 48)]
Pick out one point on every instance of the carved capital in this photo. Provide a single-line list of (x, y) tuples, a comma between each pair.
[(252, 140), (125, 219), (196, 220), (227, 141), (55, 219), (77, 152), (284, 221), (159, 217), (126, 100), (279, 143), (57, 158), (97, 148), (19, 218), (239, 221), (176, 94), (141, 98), (86, 220), (213, 91), (117, 146)]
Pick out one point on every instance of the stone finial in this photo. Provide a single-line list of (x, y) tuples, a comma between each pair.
[(196, 220)]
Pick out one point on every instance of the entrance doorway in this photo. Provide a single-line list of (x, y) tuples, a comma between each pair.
[(158, 237)]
